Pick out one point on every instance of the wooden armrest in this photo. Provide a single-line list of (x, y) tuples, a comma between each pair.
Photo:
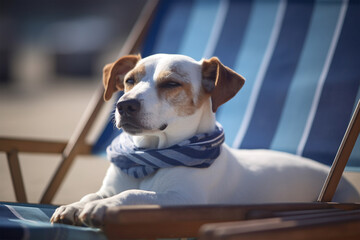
[(185, 221), (14, 146), (37, 146), (319, 224)]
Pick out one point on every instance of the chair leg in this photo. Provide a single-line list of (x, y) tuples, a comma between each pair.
[(16, 176), (341, 158)]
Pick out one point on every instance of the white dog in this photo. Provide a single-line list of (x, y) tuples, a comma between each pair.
[(169, 99)]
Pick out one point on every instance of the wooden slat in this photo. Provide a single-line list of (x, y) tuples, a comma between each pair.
[(140, 29), (16, 176), (207, 231), (37, 146), (72, 148), (185, 221), (341, 158), (77, 139), (331, 225)]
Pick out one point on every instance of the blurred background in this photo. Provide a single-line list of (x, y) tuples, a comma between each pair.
[(51, 59)]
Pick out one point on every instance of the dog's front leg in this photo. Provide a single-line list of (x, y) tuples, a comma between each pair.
[(93, 212), (68, 214), (114, 182)]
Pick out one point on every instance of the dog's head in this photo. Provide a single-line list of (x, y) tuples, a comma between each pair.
[(162, 90)]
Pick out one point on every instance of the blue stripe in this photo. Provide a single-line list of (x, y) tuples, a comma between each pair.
[(355, 155), (232, 33), (165, 159), (302, 89), (279, 75), (11, 227), (198, 32), (191, 153), (149, 163), (203, 165), (155, 28), (247, 63), (135, 173), (354, 160), (167, 31), (339, 93), (5, 212)]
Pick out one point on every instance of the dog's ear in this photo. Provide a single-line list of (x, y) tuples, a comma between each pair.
[(221, 82), (114, 73)]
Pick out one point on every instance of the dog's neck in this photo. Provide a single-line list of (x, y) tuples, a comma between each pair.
[(201, 122)]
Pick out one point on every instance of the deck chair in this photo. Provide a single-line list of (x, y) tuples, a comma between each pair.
[(267, 221), (300, 61), (337, 223)]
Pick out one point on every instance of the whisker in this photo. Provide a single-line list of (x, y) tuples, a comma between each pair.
[(112, 116)]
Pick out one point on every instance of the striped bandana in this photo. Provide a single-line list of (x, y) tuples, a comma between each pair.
[(199, 151)]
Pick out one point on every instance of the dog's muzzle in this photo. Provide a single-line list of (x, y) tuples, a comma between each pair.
[(130, 121), (128, 107), (128, 111)]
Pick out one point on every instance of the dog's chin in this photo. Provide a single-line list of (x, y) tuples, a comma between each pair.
[(137, 129), (131, 129)]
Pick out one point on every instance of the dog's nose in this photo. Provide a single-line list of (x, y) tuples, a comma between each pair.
[(129, 107)]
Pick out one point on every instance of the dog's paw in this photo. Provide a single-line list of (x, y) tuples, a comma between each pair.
[(93, 213), (68, 214)]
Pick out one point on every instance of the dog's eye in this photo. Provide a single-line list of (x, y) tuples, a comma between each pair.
[(130, 81), (169, 84)]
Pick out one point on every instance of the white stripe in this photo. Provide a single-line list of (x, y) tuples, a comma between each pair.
[(216, 30), (261, 74), (214, 140), (16, 213), (135, 159), (182, 158), (151, 159), (26, 230), (322, 79)]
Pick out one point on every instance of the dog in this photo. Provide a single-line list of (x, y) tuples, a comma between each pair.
[(168, 99)]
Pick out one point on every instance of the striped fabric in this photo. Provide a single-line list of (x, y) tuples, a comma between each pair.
[(32, 222), (199, 151), (300, 59)]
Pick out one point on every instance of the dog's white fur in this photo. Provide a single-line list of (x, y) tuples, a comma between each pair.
[(236, 176)]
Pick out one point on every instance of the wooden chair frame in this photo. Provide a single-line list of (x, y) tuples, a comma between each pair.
[(342, 156), (150, 222), (320, 224)]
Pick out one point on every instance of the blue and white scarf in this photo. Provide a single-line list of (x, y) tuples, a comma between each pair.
[(199, 151)]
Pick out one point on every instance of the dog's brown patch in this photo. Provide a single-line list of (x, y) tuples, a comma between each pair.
[(136, 74), (203, 96), (163, 76), (113, 74), (181, 99), (180, 96)]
